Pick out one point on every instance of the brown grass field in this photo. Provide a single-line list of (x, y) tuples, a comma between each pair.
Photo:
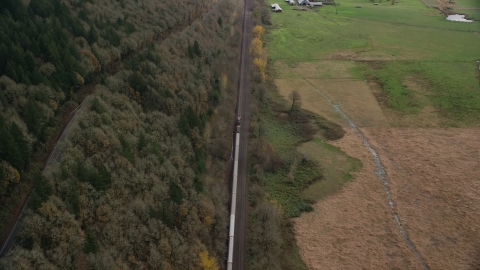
[(433, 176), (355, 99), (311, 99), (353, 229)]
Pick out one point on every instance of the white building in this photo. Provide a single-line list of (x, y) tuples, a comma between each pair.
[(276, 7)]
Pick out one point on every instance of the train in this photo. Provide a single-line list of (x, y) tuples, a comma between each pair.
[(231, 234)]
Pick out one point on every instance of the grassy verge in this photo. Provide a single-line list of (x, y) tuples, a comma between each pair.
[(336, 166), (286, 132)]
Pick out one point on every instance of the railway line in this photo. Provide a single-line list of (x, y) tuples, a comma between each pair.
[(238, 215)]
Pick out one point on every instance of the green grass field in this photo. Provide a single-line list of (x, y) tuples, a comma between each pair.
[(469, 7), (385, 31), (283, 137), (409, 38), (337, 168), (418, 58)]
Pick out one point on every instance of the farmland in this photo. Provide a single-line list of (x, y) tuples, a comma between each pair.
[(408, 80)]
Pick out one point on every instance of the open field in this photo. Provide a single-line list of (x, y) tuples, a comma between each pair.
[(450, 87), (353, 229), (434, 176), (383, 32), (311, 100), (435, 180), (337, 168), (408, 79), (471, 8)]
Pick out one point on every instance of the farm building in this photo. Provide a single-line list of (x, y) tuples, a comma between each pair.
[(291, 2), (276, 7), (316, 4), (304, 2)]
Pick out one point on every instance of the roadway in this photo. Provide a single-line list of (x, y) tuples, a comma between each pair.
[(14, 230), (55, 156), (239, 249)]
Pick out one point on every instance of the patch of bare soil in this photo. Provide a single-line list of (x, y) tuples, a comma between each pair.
[(354, 228), (434, 177)]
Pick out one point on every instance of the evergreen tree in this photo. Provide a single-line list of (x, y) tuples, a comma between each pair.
[(196, 48), (92, 36), (10, 71), (176, 194), (72, 200), (21, 142), (91, 244), (2, 176), (8, 147), (142, 142), (105, 178), (43, 190), (43, 8), (32, 116)]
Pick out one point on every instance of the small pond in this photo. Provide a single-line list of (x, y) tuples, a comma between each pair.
[(458, 18)]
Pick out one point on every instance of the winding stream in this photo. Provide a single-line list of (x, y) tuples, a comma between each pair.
[(381, 174)]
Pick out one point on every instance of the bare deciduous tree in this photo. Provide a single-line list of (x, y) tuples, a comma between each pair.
[(296, 100)]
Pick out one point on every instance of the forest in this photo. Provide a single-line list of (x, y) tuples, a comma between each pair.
[(142, 180)]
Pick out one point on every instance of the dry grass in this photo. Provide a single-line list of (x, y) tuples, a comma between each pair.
[(337, 80), (434, 175), (353, 228), (311, 99), (324, 69), (355, 99), (434, 182)]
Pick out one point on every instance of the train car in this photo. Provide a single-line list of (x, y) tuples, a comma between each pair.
[(234, 196), (237, 123)]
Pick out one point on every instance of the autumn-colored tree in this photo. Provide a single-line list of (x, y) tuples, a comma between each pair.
[(206, 262), (261, 65), (258, 31)]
